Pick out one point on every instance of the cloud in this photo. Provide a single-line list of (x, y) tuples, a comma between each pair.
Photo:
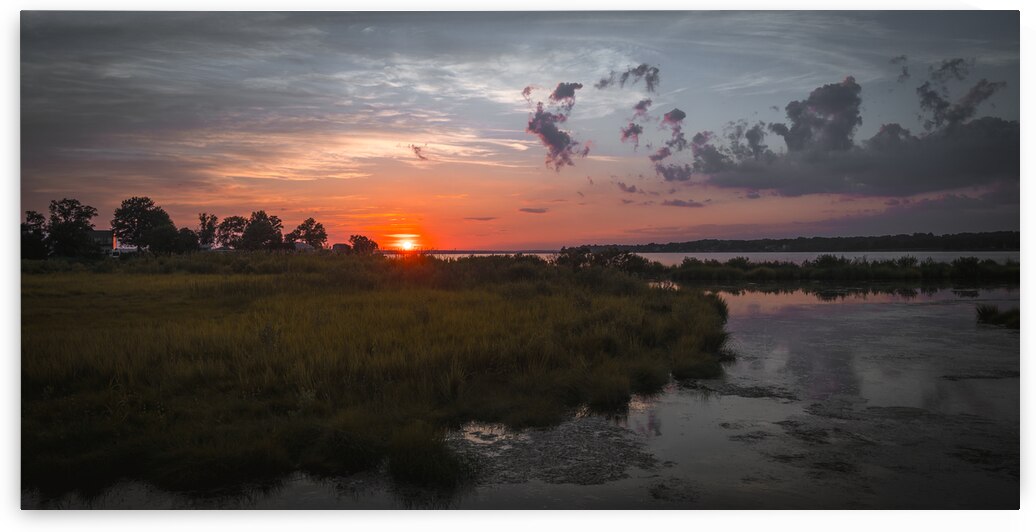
[(417, 152), (674, 118), (649, 74), (561, 148), (824, 121), (893, 162), (662, 153), (630, 189), (904, 75), (632, 131), (950, 69), (481, 218), (904, 72), (822, 157), (532, 210), (527, 93), (935, 102), (640, 110), (565, 94), (682, 203), (674, 172)]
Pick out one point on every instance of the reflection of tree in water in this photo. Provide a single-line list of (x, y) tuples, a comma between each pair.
[(836, 292)]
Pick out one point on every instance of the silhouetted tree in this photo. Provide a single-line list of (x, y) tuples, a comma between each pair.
[(187, 241), (34, 236), (363, 245), (262, 232), (135, 219), (68, 232), (311, 232), (230, 230), (161, 239), (207, 224)]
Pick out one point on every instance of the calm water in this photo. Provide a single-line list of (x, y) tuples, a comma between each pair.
[(837, 399), (670, 259)]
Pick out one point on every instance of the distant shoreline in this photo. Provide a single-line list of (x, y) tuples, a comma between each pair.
[(917, 242)]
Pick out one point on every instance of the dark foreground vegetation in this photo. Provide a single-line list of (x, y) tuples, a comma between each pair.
[(991, 314), (208, 371), (823, 268), (990, 241)]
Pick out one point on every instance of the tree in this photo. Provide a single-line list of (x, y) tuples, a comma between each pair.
[(363, 245), (207, 224), (161, 239), (262, 232), (68, 232), (135, 219), (311, 232), (230, 230), (187, 241), (34, 236)]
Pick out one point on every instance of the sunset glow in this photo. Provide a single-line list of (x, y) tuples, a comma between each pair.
[(493, 132)]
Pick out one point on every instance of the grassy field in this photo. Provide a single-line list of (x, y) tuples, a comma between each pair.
[(204, 372)]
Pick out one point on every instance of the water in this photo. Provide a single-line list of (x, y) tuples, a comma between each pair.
[(839, 398), (671, 259)]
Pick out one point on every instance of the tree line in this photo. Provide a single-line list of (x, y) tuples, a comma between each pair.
[(988, 241), (140, 223)]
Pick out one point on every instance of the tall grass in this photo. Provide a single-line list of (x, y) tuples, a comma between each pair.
[(834, 268), (991, 314), (202, 372)]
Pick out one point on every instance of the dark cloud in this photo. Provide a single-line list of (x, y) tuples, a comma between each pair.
[(630, 189), (674, 118), (417, 152), (982, 152), (481, 218), (632, 75), (532, 210), (632, 131), (561, 148), (527, 93), (674, 172), (956, 151), (950, 69), (904, 73), (660, 155), (941, 112), (640, 110), (565, 95), (708, 159), (682, 203), (627, 201), (825, 121)]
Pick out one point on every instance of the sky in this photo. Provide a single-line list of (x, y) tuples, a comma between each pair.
[(531, 130)]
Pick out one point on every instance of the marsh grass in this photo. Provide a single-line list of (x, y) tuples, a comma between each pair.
[(836, 268), (207, 372), (991, 314)]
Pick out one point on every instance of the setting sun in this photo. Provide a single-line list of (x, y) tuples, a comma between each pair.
[(406, 245)]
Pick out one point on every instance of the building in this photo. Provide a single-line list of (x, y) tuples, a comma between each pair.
[(104, 239), (341, 248)]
